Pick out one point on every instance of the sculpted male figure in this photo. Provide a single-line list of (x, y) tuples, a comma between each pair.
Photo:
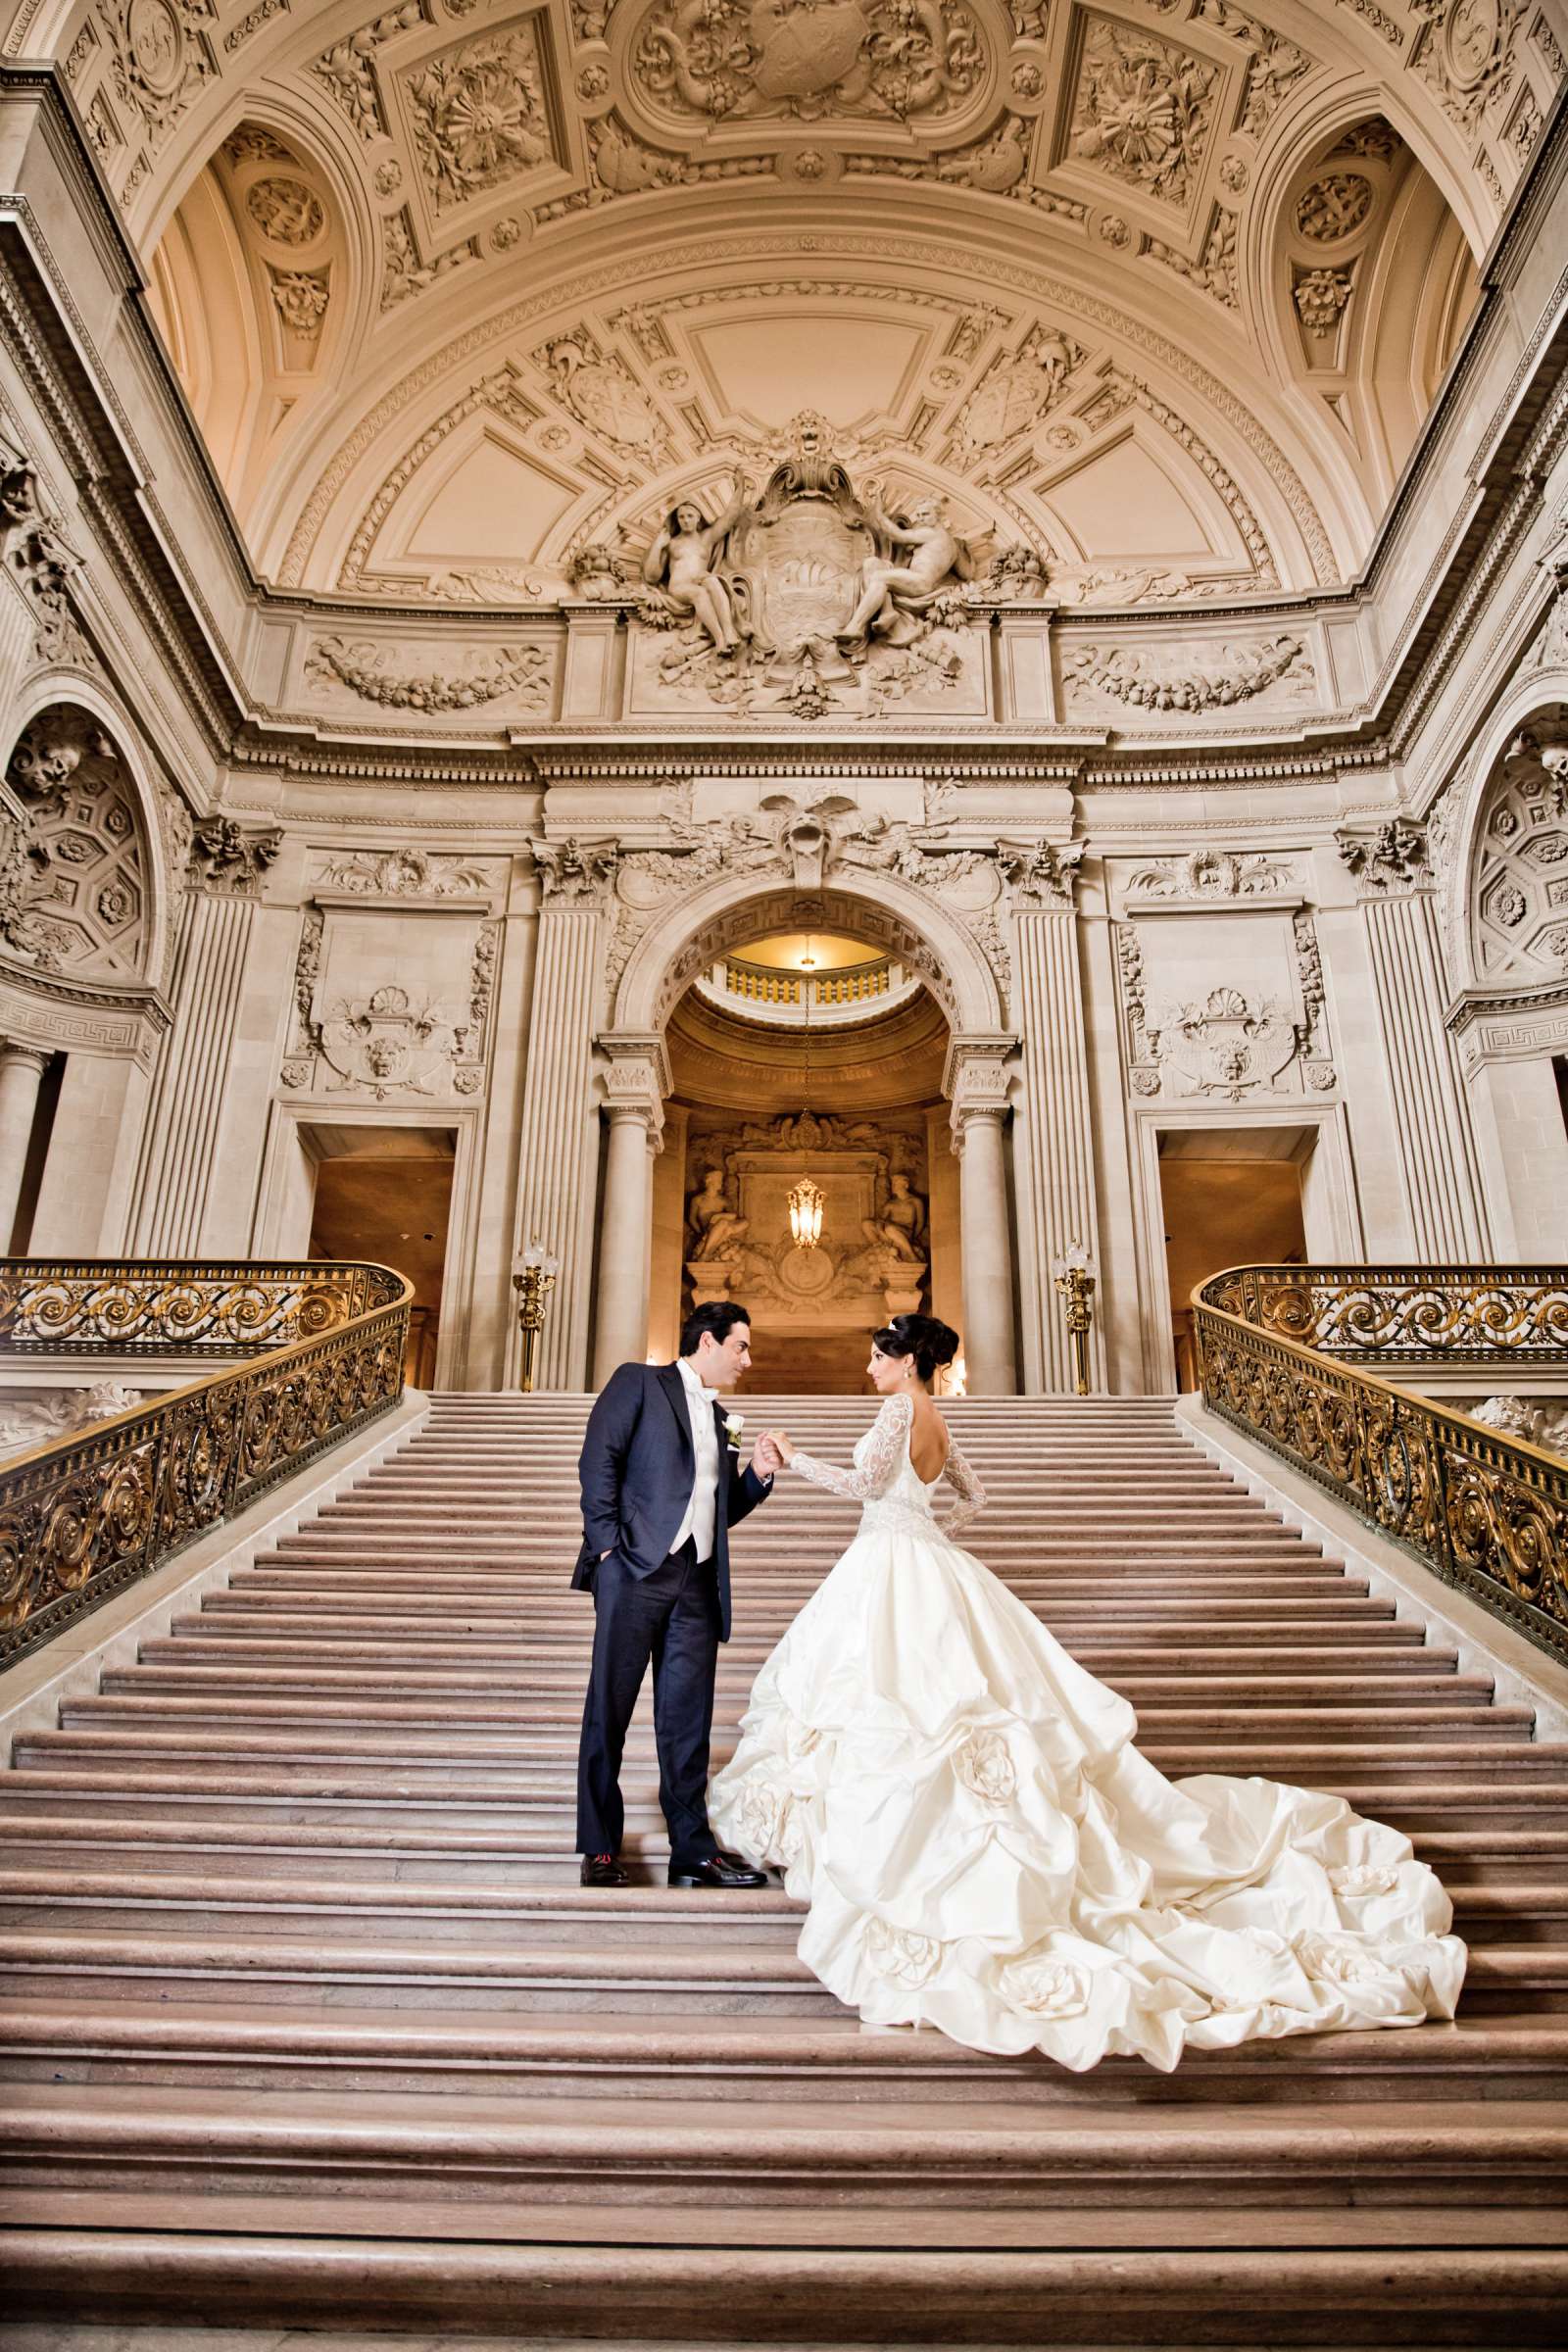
[(662, 1488), (892, 591)]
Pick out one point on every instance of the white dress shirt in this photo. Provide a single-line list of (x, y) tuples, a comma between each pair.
[(702, 1509)]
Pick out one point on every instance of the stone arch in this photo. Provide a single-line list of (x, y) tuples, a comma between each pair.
[(1514, 871), (82, 891), (1533, 710), (693, 931)]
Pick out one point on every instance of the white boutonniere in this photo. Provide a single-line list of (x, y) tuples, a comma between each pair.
[(734, 1423)]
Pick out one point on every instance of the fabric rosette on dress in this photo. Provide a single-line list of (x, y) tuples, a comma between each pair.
[(985, 1850)]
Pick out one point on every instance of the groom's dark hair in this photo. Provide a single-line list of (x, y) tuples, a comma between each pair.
[(720, 1316)]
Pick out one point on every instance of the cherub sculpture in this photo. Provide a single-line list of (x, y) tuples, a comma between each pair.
[(680, 562), (894, 593)]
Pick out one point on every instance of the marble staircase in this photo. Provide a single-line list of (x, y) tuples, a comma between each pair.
[(307, 2020)]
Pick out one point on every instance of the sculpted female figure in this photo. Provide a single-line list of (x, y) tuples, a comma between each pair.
[(681, 563), (717, 1228)]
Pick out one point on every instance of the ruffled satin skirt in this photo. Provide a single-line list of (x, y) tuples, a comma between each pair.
[(984, 1850)]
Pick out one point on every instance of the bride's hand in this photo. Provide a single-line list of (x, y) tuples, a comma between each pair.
[(781, 1446)]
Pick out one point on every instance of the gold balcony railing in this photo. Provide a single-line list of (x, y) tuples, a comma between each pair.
[(1284, 1354), (89, 1513)]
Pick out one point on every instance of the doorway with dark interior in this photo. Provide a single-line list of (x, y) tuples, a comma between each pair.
[(385, 1194), (1230, 1197)]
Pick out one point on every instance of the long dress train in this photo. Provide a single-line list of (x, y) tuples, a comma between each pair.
[(986, 1851)]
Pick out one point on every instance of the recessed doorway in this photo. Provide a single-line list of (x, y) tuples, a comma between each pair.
[(385, 1194), (1230, 1197)]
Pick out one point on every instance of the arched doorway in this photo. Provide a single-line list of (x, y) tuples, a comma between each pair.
[(599, 1217), (805, 1069)]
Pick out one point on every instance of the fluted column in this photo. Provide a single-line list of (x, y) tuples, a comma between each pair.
[(558, 1144), (1438, 1156), (635, 1085), (21, 1070), (1055, 1115), (977, 1081)]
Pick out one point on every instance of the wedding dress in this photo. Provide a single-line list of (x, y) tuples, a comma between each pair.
[(985, 1850)]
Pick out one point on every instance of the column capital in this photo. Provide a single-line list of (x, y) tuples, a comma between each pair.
[(636, 1077), (225, 855), (975, 1078), (16, 1056), (1041, 876), (1386, 860)]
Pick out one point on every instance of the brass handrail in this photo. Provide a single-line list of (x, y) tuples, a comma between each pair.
[(1486, 1513), (86, 1515)]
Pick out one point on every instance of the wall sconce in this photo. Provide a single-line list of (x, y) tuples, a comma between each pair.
[(1074, 1275), (533, 1278)]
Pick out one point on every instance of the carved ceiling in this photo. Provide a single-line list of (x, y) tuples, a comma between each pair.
[(468, 290)]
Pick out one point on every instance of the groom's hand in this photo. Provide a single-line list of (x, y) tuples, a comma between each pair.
[(765, 1457)]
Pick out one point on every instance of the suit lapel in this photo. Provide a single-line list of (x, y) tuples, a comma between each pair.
[(675, 1388)]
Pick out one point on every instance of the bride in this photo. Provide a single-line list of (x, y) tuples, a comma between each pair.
[(985, 1850)]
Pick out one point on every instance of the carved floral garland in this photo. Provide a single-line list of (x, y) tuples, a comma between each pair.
[(485, 675)]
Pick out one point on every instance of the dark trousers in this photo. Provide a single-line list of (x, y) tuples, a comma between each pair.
[(673, 1618)]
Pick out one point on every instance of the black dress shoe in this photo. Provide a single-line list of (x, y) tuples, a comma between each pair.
[(602, 1870), (725, 1870)]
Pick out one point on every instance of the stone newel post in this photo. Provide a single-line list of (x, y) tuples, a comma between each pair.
[(635, 1085), (977, 1082)]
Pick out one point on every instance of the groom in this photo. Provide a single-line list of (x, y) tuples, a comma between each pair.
[(662, 1488)]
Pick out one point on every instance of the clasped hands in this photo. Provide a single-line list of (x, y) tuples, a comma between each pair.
[(773, 1452)]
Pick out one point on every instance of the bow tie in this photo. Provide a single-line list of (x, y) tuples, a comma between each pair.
[(709, 1395)]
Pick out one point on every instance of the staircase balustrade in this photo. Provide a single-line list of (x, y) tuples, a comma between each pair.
[(86, 1514), (1283, 1355)]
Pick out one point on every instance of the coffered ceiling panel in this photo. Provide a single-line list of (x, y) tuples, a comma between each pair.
[(768, 367)]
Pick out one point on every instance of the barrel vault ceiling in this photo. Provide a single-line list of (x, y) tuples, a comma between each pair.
[(461, 291)]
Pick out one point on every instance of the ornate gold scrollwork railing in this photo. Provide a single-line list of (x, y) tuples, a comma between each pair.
[(1283, 1353), (49, 1306), (1405, 1314), (88, 1514)]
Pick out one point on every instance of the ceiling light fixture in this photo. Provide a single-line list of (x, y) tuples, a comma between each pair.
[(807, 1200)]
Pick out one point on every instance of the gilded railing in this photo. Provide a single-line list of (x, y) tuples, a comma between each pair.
[(1406, 1315), (1283, 1355), (49, 1306), (88, 1514)]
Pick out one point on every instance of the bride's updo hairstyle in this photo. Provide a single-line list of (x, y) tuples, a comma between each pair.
[(930, 1340)]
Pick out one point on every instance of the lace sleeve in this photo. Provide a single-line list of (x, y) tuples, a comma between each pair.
[(971, 1494), (877, 1472)]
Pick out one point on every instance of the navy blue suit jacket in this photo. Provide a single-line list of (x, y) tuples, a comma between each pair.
[(637, 1467)]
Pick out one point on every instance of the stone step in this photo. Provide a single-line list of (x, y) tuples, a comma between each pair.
[(649, 2054), (522, 1765), (237, 1844), (790, 2153), (1428, 2278), (476, 1915), (520, 1970), (1393, 1687), (517, 1731), (1381, 1659), (1259, 1706), (1410, 1802)]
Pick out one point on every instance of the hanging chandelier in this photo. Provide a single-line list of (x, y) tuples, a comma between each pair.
[(807, 1201)]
